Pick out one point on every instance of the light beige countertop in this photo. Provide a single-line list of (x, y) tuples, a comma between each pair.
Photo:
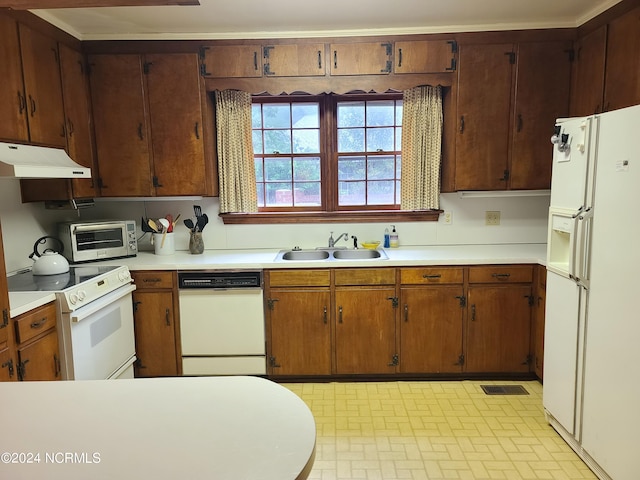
[(223, 428), (266, 259)]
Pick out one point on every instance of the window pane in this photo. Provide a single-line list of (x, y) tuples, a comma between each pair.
[(277, 169), (306, 141), (260, 190), (256, 115), (397, 191), (380, 168), (350, 114), (380, 139), (259, 170), (306, 115), (351, 193), (398, 166), (276, 115), (257, 141), (351, 140), (351, 168), (307, 194), (398, 138), (306, 169), (380, 193), (277, 141), (279, 195), (399, 112), (381, 113)]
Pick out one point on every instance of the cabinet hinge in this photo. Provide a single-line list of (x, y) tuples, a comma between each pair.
[(21, 369), (271, 302), (146, 66), (530, 299), (272, 362), (266, 50), (394, 360), (100, 183), (9, 366), (394, 301), (505, 176), (528, 360), (453, 67), (135, 306), (572, 54), (463, 300), (512, 57), (454, 46), (388, 48), (5, 318), (460, 360), (203, 66), (156, 182)]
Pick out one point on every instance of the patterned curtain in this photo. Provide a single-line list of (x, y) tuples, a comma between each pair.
[(235, 152), (421, 148)]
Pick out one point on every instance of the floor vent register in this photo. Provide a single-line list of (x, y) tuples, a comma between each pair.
[(504, 390)]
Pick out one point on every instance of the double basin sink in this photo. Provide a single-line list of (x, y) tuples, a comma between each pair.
[(329, 254)]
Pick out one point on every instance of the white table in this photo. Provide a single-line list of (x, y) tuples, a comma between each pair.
[(222, 428)]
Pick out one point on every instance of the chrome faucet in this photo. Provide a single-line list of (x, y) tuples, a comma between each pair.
[(332, 242)]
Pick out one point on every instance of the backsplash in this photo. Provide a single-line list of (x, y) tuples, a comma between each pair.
[(522, 220)]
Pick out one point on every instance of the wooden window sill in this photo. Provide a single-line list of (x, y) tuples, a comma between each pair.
[(330, 217)]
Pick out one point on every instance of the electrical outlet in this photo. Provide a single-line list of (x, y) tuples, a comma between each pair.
[(492, 218), (447, 217)]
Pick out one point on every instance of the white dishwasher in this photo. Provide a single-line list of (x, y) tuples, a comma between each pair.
[(222, 322)]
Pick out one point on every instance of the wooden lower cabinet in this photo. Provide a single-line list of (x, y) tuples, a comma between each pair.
[(365, 330), (40, 360), (155, 323), (538, 321), (299, 331), (7, 365)]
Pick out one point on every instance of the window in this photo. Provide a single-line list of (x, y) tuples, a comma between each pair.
[(327, 153)]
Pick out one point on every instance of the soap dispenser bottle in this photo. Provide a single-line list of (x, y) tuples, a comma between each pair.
[(387, 239), (394, 240)]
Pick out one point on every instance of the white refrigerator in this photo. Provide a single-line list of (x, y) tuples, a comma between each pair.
[(591, 391)]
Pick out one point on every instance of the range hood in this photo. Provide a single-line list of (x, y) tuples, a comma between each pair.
[(30, 161)]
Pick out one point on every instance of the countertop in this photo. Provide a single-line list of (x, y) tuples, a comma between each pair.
[(265, 259), (223, 428)]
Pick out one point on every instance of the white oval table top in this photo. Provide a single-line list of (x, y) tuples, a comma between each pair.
[(222, 428)]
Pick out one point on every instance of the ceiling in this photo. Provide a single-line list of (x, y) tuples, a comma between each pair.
[(233, 19)]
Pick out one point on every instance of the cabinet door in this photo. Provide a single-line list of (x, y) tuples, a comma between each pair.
[(299, 332), (4, 298), (587, 75), (429, 56), (361, 58), (294, 60), (232, 61), (365, 330), (13, 114), (431, 330), (538, 326), (542, 96), (78, 118), (40, 64), (121, 125), (498, 329), (7, 366), (622, 82), (484, 107), (154, 325), (175, 106), (40, 360)]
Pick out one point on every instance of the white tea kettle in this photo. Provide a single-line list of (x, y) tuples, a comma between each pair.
[(49, 262)]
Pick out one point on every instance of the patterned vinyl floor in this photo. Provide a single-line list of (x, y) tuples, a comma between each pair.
[(434, 430)]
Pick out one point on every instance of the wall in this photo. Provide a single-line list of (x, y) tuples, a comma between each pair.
[(523, 220)]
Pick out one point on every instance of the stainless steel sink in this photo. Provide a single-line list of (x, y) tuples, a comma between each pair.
[(356, 254), (302, 255), (330, 255)]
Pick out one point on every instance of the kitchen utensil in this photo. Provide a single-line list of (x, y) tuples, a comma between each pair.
[(165, 226), (189, 224), (153, 225), (201, 222), (169, 218), (197, 210), (144, 225), (173, 223), (49, 262)]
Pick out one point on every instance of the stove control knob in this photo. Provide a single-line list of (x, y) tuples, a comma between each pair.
[(73, 299), (82, 295), (124, 276)]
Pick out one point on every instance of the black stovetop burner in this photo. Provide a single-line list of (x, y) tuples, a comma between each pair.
[(27, 282)]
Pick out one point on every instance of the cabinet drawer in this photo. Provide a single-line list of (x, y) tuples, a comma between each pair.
[(365, 276), (153, 279), (430, 276), (33, 323), (299, 278), (501, 274)]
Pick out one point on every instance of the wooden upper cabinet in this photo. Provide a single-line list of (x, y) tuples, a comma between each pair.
[(13, 114), (305, 60), (587, 73), (622, 80), (227, 61), (43, 88), (175, 106), (361, 58), (428, 56), (121, 125), (541, 96), (484, 106)]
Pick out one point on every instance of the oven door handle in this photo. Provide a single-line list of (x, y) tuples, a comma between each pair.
[(101, 226), (99, 304)]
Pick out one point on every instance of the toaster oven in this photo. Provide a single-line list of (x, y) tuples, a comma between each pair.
[(102, 240)]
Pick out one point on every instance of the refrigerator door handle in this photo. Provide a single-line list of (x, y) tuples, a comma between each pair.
[(582, 250)]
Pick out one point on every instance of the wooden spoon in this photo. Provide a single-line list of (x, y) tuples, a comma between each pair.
[(153, 225)]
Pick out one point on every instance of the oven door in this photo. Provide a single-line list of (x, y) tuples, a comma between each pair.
[(99, 241), (99, 338)]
